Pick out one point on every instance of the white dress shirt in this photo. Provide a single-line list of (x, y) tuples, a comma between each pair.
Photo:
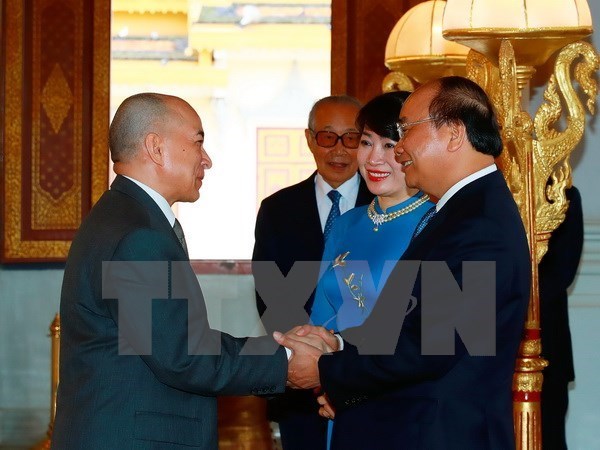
[(348, 190)]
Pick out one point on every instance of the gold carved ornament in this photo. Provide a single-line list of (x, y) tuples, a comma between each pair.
[(397, 81), (535, 163), (538, 166), (51, 210)]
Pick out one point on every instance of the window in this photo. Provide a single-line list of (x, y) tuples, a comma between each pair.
[(252, 71)]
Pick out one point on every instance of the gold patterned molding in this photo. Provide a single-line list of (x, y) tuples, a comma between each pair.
[(56, 105)]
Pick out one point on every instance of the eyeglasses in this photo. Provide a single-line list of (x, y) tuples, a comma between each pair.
[(329, 139), (403, 126)]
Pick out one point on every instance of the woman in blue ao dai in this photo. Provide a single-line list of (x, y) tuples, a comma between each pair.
[(366, 242)]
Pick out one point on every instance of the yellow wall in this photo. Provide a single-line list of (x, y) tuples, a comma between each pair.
[(151, 6), (172, 72), (252, 87), (139, 25), (273, 36)]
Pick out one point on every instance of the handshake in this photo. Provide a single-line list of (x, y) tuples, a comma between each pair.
[(307, 343)]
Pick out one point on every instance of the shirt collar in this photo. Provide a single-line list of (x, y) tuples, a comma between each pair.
[(346, 188), (158, 199), (462, 183)]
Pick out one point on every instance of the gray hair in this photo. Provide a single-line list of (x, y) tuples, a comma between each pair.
[(333, 99)]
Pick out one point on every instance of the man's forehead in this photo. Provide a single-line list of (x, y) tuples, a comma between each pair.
[(336, 110), (412, 106), (417, 103)]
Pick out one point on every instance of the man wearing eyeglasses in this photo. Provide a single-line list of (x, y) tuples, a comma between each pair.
[(292, 225), (437, 376)]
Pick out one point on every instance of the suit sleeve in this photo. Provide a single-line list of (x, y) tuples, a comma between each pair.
[(355, 374), (556, 273), (262, 251), (158, 305)]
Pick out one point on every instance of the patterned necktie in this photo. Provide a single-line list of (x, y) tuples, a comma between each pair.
[(423, 222), (179, 233), (334, 213)]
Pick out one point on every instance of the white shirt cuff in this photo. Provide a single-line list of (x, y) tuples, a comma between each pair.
[(341, 342), (288, 352)]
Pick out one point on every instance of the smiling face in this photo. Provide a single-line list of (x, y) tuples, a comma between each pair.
[(185, 158), (336, 164), (378, 166), (422, 150)]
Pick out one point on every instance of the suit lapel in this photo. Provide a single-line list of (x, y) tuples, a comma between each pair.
[(311, 211), (310, 220), (156, 216), (453, 207)]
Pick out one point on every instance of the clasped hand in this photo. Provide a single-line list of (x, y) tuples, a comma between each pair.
[(307, 343)]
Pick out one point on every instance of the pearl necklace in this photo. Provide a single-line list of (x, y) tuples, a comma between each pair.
[(378, 219)]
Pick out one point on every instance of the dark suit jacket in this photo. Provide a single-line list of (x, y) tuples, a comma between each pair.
[(408, 400), (288, 229), (158, 398), (556, 273)]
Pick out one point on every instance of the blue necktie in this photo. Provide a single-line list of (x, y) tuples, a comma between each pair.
[(423, 222), (334, 213)]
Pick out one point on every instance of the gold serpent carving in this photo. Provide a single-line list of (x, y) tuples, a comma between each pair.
[(535, 163), (501, 85), (484, 73), (552, 149), (516, 132)]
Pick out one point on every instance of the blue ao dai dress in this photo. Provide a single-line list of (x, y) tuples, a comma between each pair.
[(357, 262)]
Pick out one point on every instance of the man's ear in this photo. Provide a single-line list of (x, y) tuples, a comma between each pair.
[(309, 139), (153, 148), (458, 135)]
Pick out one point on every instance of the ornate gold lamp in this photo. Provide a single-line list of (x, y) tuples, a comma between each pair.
[(430, 56), (510, 39)]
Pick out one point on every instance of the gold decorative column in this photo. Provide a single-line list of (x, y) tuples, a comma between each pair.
[(54, 374), (507, 46)]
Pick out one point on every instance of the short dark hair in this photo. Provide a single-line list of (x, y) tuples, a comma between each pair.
[(331, 99), (133, 119), (462, 100), (381, 113)]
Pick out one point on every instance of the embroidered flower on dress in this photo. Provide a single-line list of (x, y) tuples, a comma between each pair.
[(340, 260), (355, 289)]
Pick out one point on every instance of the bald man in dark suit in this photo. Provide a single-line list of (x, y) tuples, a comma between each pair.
[(140, 366)]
